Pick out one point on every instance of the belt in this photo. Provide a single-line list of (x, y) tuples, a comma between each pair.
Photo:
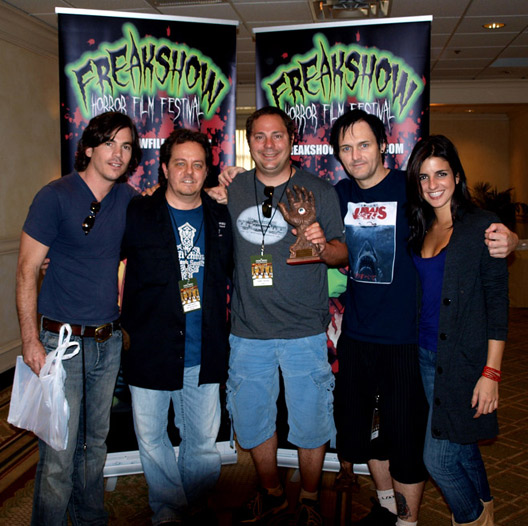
[(101, 333)]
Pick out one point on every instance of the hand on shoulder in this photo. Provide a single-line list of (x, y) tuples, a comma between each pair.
[(500, 240), (218, 193), (227, 176)]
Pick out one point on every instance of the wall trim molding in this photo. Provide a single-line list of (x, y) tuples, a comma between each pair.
[(472, 117), (9, 246), (498, 91), (20, 29)]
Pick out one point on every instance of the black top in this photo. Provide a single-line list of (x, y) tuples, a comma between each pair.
[(152, 313), (473, 310)]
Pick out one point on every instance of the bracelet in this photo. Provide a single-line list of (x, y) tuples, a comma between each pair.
[(491, 373)]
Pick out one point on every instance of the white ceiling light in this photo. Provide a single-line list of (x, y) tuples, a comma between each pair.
[(494, 25)]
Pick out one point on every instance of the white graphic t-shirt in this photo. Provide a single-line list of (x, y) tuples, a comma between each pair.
[(371, 240)]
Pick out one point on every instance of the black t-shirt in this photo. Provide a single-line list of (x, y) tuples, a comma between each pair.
[(380, 303)]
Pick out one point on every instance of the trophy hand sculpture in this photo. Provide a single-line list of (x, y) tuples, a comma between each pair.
[(301, 214)]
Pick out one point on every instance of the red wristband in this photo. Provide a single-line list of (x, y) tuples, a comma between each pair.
[(492, 374)]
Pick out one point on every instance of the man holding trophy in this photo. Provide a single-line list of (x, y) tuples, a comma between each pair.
[(280, 312)]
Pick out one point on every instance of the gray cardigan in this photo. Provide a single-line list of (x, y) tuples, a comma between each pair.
[(474, 309)]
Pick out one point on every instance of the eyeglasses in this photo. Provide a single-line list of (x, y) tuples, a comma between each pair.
[(267, 205), (88, 223)]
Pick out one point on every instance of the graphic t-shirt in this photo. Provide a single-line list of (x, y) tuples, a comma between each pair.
[(371, 241), (380, 303), (296, 304), (189, 233)]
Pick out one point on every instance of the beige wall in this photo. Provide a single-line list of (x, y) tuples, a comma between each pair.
[(29, 149), (483, 142), (519, 154), (492, 148)]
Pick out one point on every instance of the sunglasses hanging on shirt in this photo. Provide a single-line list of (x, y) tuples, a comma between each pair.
[(267, 205), (88, 223)]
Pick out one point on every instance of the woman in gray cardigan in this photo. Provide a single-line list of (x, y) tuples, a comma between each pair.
[(462, 327)]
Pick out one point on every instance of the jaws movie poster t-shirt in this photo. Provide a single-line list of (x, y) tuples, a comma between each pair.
[(380, 304)]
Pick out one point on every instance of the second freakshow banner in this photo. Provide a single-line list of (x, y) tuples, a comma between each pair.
[(317, 72), (164, 72)]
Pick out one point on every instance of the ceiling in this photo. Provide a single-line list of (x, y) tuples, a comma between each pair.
[(461, 49)]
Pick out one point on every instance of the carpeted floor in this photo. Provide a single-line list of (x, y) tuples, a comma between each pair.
[(18, 453), (506, 460)]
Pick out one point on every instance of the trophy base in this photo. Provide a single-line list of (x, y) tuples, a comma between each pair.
[(302, 260)]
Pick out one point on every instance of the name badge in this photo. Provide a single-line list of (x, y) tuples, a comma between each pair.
[(262, 270), (189, 294)]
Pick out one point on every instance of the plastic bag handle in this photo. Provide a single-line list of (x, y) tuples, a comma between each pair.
[(59, 353)]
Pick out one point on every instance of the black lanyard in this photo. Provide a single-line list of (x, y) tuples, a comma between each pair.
[(262, 229)]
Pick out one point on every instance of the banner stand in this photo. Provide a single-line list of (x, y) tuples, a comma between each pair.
[(128, 462)]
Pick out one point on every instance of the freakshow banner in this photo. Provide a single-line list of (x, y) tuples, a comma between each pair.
[(317, 72), (164, 72)]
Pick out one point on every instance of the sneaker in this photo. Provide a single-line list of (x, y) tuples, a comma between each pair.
[(378, 516), (308, 513), (262, 507)]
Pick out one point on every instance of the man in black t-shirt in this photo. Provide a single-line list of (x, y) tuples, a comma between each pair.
[(377, 351)]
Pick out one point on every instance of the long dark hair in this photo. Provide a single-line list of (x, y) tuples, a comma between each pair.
[(420, 213)]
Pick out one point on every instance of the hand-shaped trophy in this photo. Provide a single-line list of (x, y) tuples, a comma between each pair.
[(301, 215)]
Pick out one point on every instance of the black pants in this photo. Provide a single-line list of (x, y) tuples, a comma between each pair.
[(393, 373)]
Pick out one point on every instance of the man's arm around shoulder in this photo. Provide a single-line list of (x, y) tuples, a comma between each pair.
[(501, 241), (30, 258)]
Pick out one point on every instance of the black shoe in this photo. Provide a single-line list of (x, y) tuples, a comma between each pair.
[(308, 513), (261, 508), (378, 516)]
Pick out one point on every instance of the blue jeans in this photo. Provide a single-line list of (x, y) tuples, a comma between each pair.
[(72, 480), (458, 469), (253, 388), (173, 485)]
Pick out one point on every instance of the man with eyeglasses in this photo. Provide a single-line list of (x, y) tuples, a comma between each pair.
[(78, 221), (179, 250), (279, 318)]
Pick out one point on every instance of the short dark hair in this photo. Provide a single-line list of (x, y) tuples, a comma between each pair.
[(421, 213), (271, 110), (104, 128), (348, 119), (182, 136)]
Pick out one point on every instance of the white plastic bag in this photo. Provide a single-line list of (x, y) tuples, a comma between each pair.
[(38, 403)]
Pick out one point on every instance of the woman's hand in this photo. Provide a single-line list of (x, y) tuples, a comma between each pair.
[(485, 396)]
